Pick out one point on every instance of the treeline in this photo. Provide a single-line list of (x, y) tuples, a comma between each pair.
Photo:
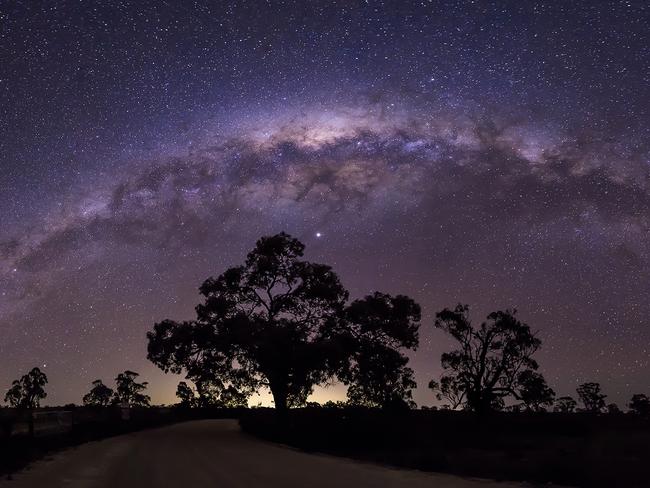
[(27, 392), (286, 324)]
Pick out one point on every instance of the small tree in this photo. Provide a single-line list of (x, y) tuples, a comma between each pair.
[(378, 327), (533, 391), (565, 404), (99, 395), (640, 405), (490, 359), (186, 394), (591, 397), (26, 394), (129, 392), (28, 391)]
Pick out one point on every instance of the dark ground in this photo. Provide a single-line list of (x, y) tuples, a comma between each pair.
[(215, 453), (88, 424), (570, 449)]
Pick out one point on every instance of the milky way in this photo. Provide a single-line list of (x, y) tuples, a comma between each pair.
[(492, 154)]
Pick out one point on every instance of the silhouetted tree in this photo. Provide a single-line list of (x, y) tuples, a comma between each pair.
[(231, 397), (449, 389), (186, 394), (488, 364), (26, 394), (497, 404), (129, 392), (212, 392), (640, 405), (613, 409), (334, 404), (207, 392), (265, 323), (99, 395), (281, 322), (565, 404), (378, 328), (28, 391), (533, 391), (591, 397)]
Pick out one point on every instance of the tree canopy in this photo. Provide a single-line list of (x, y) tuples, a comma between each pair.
[(379, 326), (185, 394), (640, 405), (28, 391), (534, 393), (99, 395), (281, 322), (129, 391), (565, 404), (493, 360), (450, 389), (592, 398)]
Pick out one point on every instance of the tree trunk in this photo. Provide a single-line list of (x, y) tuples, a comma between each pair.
[(279, 398)]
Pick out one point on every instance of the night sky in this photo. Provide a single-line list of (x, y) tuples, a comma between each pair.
[(489, 152)]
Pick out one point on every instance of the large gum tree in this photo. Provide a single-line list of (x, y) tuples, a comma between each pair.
[(283, 323), (265, 323)]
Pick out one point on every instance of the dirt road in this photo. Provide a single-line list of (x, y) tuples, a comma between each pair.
[(214, 453)]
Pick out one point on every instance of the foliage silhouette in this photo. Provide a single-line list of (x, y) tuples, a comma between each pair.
[(26, 394), (28, 391), (565, 404), (592, 398), (490, 360), (377, 328), (99, 395), (208, 393), (281, 322), (640, 405), (262, 324), (334, 404), (186, 394), (212, 392), (232, 397), (129, 391), (449, 389), (533, 391)]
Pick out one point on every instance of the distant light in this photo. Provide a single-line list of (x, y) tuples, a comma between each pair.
[(318, 234)]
